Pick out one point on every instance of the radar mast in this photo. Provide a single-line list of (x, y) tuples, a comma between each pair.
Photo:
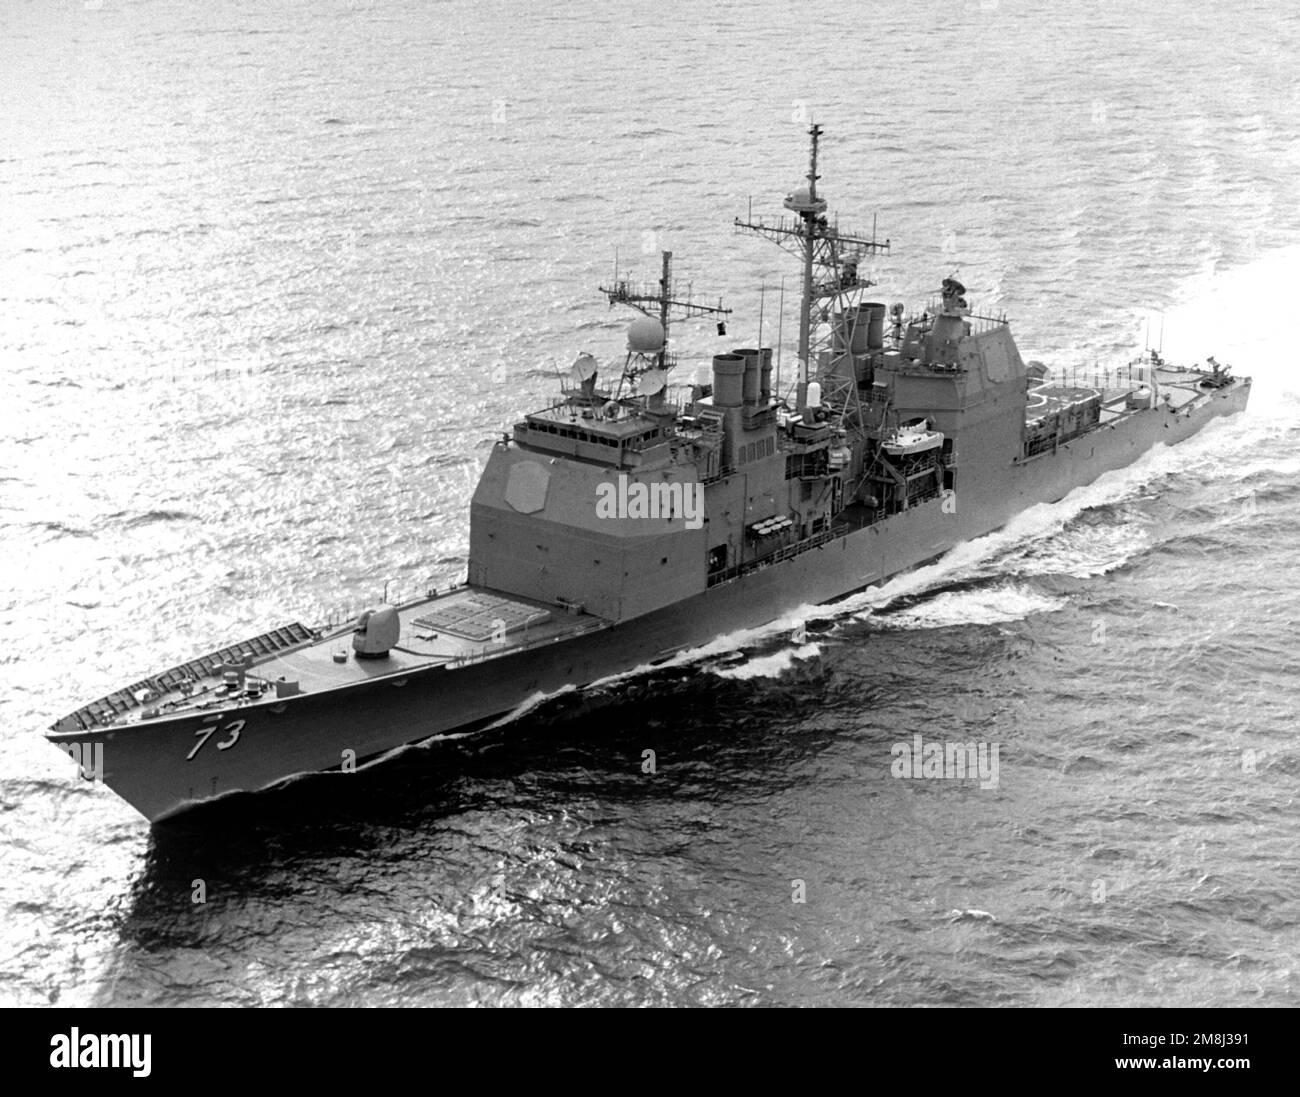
[(647, 345), (832, 287)]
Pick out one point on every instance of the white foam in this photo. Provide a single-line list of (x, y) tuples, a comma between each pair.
[(770, 666), (527, 705), (1081, 553), (789, 623), (976, 607)]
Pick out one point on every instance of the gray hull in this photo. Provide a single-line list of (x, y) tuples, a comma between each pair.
[(167, 765)]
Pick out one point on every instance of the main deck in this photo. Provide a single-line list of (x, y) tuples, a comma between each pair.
[(449, 628)]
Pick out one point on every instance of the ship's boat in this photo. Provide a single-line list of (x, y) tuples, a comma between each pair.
[(908, 440), (630, 520)]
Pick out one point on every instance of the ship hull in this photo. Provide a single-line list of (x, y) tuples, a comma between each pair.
[(163, 767)]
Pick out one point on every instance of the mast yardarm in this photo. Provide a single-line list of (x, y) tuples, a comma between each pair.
[(831, 281)]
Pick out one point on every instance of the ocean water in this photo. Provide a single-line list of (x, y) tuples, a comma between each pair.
[(272, 277)]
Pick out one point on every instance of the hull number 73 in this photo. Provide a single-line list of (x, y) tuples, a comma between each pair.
[(204, 734)]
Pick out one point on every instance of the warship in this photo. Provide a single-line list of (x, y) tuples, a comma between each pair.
[(632, 520)]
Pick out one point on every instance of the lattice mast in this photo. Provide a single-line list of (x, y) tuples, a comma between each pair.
[(831, 284), (648, 347)]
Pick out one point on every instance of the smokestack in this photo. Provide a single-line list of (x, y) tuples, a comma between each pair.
[(751, 382), (871, 314), (728, 380)]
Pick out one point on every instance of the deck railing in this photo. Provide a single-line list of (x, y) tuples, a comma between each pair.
[(775, 557)]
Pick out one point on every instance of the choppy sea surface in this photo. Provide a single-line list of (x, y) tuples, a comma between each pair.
[(273, 275)]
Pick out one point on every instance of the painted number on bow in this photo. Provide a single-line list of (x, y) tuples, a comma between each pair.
[(204, 734)]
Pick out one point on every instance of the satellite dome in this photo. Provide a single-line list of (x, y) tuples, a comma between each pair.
[(801, 200), (645, 336)]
